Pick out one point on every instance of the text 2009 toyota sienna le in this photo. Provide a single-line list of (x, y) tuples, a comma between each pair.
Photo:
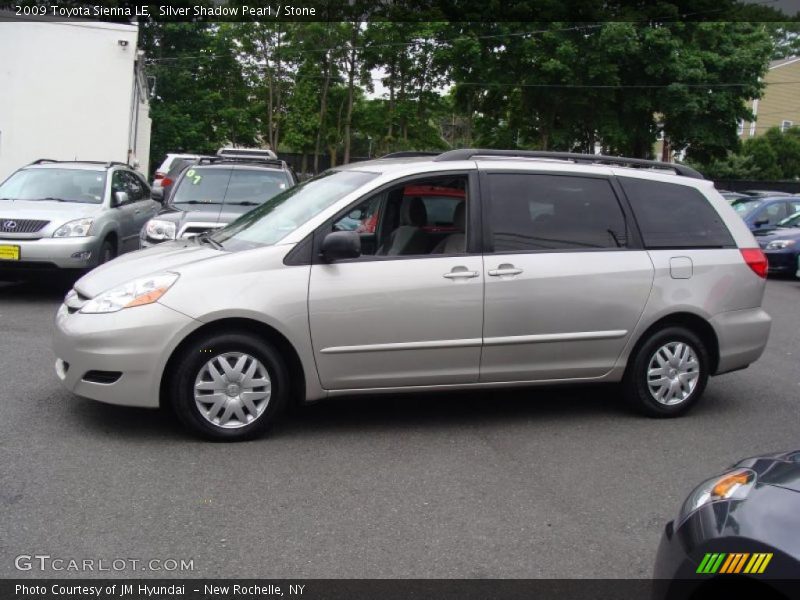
[(470, 269)]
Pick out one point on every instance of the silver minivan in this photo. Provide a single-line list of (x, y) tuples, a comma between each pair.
[(473, 269)]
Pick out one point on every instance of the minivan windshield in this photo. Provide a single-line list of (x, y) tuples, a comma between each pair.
[(63, 185), (281, 215)]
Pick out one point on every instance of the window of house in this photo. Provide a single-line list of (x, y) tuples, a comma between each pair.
[(785, 125)]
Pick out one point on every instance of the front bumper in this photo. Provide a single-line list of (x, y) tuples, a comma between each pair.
[(782, 261), (742, 337), (134, 342), (53, 253)]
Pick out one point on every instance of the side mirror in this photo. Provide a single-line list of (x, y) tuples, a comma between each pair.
[(157, 194), (120, 198), (761, 222), (339, 245)]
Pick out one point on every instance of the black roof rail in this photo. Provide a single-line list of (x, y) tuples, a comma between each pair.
[(39, 161), (469, 153), (253, 160), (409, 153)]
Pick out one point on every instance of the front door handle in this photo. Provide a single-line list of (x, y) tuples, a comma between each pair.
[(460, 273), (505, 269)]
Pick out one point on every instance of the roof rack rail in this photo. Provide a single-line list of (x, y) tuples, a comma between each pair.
[(469, 153), (409, 153), (259, 160), (107, 163)]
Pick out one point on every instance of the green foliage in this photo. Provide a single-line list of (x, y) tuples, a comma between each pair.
[(310, 86), (772, 156)]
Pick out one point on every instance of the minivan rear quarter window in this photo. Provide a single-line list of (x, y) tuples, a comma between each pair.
[(537, 212), (674, 216)]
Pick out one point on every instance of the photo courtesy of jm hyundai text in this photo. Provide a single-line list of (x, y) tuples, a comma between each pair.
[(470, 269)]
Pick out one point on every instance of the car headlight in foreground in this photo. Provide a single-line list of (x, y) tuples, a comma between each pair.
[(76, 228), (780, 244), (138, 292), (156, 229), (733, 485)]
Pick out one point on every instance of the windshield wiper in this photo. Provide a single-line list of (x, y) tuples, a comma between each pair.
[(244, 203), (196, 202), (58, 199), (204, 238)]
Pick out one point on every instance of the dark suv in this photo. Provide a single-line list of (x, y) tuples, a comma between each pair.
[(212, 193)]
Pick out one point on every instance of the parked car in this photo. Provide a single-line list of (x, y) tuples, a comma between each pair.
[(212, 193), (177, 167), (551, 270), (765, 193), (741, 528), (61, 215), (781, 245), (165, 166), (257, 153), (763, 214), (733, 196)]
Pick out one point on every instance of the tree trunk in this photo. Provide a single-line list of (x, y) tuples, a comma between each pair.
[(351, 72), (390, 131), (323, 107), (276, 137)]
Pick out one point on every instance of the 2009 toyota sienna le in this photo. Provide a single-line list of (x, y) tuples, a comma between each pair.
[(470, 269)]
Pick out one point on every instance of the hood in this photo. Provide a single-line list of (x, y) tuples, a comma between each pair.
[(777, 233), (47, 210), (203, 213), (163, 257), (781, 469)]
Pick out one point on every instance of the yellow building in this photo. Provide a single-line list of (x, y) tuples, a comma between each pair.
[(780, 104)]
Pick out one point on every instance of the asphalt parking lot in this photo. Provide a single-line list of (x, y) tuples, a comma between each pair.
[(556, 483)]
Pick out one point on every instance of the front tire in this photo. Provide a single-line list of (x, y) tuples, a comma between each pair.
[(229, 386), (668, 373), (108, 251)]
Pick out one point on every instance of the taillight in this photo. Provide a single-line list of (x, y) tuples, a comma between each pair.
[(756, 260), (158, 175), (166, 181)]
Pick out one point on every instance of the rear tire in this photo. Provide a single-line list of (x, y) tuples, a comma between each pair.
[(667, 374), (229, 386)]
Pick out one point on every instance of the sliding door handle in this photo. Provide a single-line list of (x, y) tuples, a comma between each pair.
[(460, 273), (505, 270)]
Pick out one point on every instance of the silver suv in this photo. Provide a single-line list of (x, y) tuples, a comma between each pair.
[(473, 269), (70, 215)]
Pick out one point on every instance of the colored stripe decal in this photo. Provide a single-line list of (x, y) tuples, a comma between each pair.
[(767, 558), (728, 563)]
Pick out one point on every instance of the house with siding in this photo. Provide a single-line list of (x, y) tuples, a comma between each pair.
[(780, 104)]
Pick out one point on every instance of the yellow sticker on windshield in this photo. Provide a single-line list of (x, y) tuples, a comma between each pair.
[(194, 176)]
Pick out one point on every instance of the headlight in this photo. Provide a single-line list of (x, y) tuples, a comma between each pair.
[(76, 228), (160, 230), (733, 485), (780, 244), (138, 292)]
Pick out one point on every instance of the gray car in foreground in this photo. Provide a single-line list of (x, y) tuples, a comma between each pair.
[(57, 215), (473, 269)]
